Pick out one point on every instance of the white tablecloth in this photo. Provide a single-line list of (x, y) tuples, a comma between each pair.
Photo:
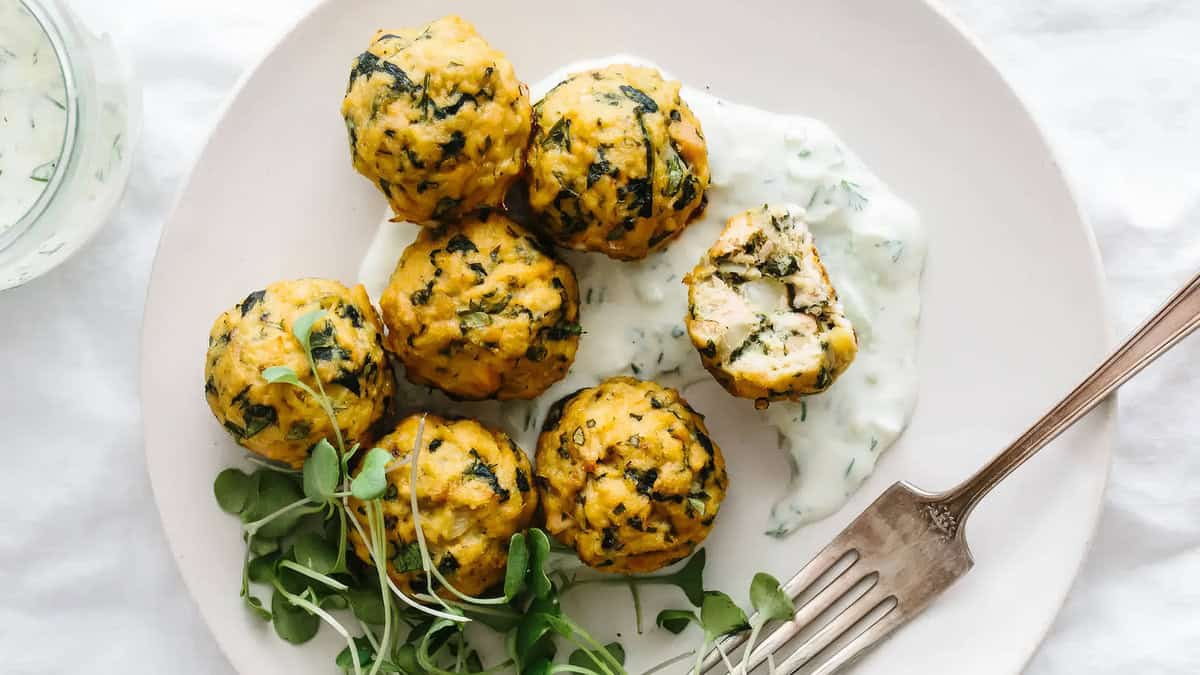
[(87, 583)]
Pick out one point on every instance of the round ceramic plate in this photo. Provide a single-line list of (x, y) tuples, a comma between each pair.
[(1013, 306)]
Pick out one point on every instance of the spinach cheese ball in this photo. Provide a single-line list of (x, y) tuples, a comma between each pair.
[(437, 120), (473, 493), (281, 421), (482, 309), (617, 163), (628, 475), (762, 311)]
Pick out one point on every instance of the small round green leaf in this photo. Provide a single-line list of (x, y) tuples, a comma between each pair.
[(768, 598), (539, 550), (371, 481), (321, 472), (280, 374), (675, 620), (262, 569), (366, 604), (720, 616), (292, 623), (366, 654), (232, 489), (312, 551), (518, 566)]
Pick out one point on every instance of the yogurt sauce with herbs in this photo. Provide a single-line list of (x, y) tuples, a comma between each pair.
[(632, 313), (33, 112)]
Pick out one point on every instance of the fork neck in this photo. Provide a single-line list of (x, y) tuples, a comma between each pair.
[(1173, 322)]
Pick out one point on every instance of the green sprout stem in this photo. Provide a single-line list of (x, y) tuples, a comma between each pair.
[(755, 628), (637, 605), (378, 545), (252, 528), (313, 574)]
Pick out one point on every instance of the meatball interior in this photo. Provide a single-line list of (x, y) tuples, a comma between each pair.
[(473, 493), (437, 120), (280, 421), (629, 476), (482, 309), (762, 311), (618, 163)]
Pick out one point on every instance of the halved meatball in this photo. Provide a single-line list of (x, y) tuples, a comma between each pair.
[(437, 120), (617, 163), (280, 421), (762, 311), (628, 475), (482, 309), (473, 493)]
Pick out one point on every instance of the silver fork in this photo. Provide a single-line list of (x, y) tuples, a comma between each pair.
[(908, 546)]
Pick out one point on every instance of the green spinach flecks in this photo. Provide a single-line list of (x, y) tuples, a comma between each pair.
[(408, 558), (644, 102), (252, 301), (454, 146), (324, 344), (599, 168), (469, 320), (349, 380), (460, 243), (257, 417), (298, 430), (492, 303), (351, 314), (642, 480), (676, 173), (422, 296), (448, 564), (559, 135), (781, 266), (563, 331), (487, 473), (446, 206)]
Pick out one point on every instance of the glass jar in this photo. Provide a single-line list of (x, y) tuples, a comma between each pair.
[(71, 117)]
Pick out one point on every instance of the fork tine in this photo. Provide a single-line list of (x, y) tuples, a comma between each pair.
[(870, 636), (831, 594), (821, 563), (837, 627)]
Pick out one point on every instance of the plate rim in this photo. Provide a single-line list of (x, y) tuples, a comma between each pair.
[(1108, 409)]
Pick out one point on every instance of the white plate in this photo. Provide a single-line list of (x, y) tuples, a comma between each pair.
[(1013, 307)]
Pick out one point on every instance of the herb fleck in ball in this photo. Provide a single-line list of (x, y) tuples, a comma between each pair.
[(473, 493), (762, 311), (628, 475), (482, 309), (437, 120), (280, 421), (617, 163)]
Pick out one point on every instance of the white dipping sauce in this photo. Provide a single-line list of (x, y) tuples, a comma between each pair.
[(33, 111), (632, 313)]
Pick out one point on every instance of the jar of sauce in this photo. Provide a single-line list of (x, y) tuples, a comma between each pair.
[(69, 121)]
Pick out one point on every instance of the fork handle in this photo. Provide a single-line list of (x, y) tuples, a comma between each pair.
[(1177, 318)]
